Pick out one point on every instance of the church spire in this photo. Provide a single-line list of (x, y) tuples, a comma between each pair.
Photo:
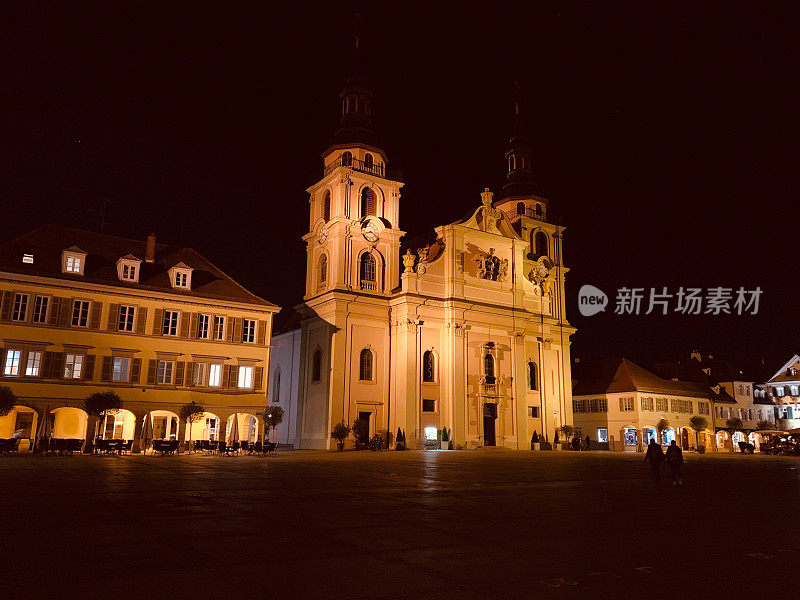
[(356, 99), (519, 155)]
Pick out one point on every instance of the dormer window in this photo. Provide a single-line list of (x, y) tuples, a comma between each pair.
[(128, 268), (181, 276), (73, 260)]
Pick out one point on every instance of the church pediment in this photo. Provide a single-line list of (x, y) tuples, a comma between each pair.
[(490, 219)]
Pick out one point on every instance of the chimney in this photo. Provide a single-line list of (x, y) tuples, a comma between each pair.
[(150, 249)]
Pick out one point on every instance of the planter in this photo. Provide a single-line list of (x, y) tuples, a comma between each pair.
[(557, 446), (537, 446)]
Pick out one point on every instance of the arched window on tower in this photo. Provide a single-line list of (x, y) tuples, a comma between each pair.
[(316, 366), (520, 208), (276, 386), (365, 365), (512, 163), (323, 269), (326, 207), (368, 202), (368, 161), (428, 367), (488, 367), (367, 272), (532, 376), (540, 244), (347, 158)]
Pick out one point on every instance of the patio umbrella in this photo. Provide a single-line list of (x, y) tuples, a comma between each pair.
[(233, 437), (147, 432), (43, 432)]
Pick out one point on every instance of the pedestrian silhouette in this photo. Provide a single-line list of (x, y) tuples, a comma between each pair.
[(675, 460), (655, 456), (588, 442)]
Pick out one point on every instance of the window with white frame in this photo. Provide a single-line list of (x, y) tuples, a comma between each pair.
[(702, 408), (129, 272), (121, 369), (661, 405), (203, 326), (219, 327), (80, 313), (626, 404), (170, 322), (365, 365), (248, 330), (592, 405), (214, 375), (33, 364), (73, 366), (165, 371), (199, 374), (602, 404), (127, 316), (73, 263), (181, 279), (245, 377), (41, 304), (11, 368), (533, 412), (20, 310)]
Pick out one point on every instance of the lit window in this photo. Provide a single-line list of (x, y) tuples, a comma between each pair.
[(12, 363), (214, 375), (27, 259), (20, 310), (74, 264), (33, 366), (602, 434), (219, 327), (245, 377), (533, 412), (428, 405), (170, 322), (629, 435), (126, 318), (431, 433), (165, 371), (40, 306), (249, 331), (203, 326), (73, 366), (365, 365), (199, 374), (121, 369), (80, 313)]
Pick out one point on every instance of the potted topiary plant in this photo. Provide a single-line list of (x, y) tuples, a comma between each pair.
[(8, 400), (567, 431), (273, 416), (535, 444), (556, 444), (661, 427), (340, 433), (96, 405), (698, 423)]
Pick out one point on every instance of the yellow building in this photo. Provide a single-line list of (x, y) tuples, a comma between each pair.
[(158, 325), (617, 402)]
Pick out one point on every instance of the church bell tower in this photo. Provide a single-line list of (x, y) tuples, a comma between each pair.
[(353, 242)]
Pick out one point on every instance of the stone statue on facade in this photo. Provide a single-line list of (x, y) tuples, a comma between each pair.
[(408, 262)]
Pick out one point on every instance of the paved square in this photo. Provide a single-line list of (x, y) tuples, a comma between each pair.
[(482, 524)]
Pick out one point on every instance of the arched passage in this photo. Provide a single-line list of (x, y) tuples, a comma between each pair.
[(21, 423), (119, 424), (207, 427), (246, 429), (165, 425)]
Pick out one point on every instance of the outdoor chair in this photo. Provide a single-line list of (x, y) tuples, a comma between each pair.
[(8, 445), (246, 447), (73, 445), (256, 448), (270, 448), (60, 446), (126, 447)]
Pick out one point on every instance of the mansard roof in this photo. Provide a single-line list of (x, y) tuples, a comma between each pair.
[(103, 251), (619, 375)]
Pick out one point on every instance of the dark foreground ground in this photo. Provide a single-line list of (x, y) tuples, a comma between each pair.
[(483, 524)]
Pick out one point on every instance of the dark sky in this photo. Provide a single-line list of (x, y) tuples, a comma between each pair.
[(666, 139)]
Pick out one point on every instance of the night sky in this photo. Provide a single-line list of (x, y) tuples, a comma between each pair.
[(666, 140)]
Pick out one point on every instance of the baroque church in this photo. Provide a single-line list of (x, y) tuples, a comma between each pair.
[(465, 337)]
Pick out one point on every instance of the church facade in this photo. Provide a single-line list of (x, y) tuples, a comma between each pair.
[(466, 336)]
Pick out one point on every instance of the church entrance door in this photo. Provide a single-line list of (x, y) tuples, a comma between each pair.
[(489, 418)]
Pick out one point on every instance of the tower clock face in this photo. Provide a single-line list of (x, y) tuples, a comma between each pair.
[(369, 233)]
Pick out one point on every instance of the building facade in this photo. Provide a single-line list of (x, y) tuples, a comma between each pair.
[(158, 325), (619, 403), (466, 335), (782, 392)]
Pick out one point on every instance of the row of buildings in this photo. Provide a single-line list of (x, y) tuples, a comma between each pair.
[(466, 334)]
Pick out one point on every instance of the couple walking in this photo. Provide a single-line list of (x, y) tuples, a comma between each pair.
[(674, 457)]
